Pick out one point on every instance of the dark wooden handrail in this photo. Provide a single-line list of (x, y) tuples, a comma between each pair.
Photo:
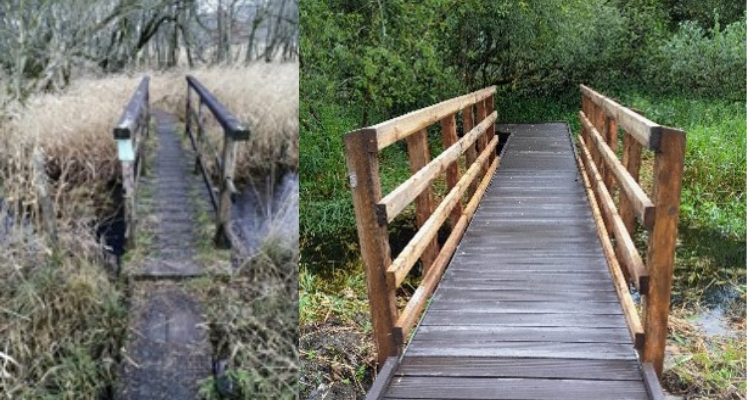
[(131, 131), (231, 125), (233, 131)]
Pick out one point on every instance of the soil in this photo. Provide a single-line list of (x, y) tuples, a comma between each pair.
[(337, 361)]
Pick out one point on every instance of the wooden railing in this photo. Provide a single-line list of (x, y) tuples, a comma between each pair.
[(131, 133), (374, 211), (601, 119), (233, 131)]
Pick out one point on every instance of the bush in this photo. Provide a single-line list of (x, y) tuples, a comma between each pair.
[(694, 60)]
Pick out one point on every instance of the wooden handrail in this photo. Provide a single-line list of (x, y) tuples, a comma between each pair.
[(392, 205), (131, 132), (600, 118), (640, 202), (399, 128), (373, 211), (645, 131), (233, 131)]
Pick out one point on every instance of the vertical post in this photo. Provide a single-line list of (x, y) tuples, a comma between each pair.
[(449, 135), (46, 207), (468, 121), (610, 127), (482, 141), (420, 156), (363, 168), (631, 159), (490, 106), (228, 160), (668, 167), (128, 184)]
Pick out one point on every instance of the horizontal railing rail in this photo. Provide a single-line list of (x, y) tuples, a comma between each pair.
[(374, 211), (131, 133), (607, 178), (233, 132)]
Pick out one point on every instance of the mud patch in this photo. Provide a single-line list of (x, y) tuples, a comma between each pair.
[(337, 361)]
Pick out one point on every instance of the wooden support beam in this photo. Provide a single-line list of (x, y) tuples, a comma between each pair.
[(619, 281), (642, 205), (420, 156), (482, 141), (222, 239), (396, 201), (625, 248), (399, 128), (631, 160), (449, 138), (403, 263), (468, 122), (363, 170), (645, 131), (381, 384), (410, 315), (668, 167)]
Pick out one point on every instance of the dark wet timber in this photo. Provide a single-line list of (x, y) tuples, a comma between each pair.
[(526, 308), (167, 352)]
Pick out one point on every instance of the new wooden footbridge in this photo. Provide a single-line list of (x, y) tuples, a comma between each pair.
[(529, 296)]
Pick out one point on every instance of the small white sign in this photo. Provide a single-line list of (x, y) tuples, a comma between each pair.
[(125, 150)]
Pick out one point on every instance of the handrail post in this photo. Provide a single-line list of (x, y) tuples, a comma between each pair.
[(668, 167), (363, 168), (224, 208)]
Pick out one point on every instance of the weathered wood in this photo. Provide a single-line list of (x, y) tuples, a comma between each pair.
[(396, 201), (417, 245), (224, 207), (620, 282), (621, 370), (363, 170), (46, 206), (652, 382), (449, 138), (512, 389), (625, 248), (232, 126), (381, 384), (631, 160), (399, 128), (420, 156), (642, 205), (482, 141), (468, 122), (130, 120), (611, 140), (417, 302), (490, 107), (668, 167), (642, 129)]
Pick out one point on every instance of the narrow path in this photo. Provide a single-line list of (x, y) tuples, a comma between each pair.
[(168, 350), (526, 308)]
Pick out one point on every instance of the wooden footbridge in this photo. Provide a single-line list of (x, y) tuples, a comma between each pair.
[(167, 350), (533, 284)]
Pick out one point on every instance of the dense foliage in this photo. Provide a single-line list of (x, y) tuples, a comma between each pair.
[(363, 62)]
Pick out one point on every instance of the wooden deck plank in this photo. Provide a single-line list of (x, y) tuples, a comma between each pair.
[(622, 370), (490, 335), (510, 388), (468, 317)]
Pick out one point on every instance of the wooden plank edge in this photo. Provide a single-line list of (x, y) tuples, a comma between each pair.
[(642, 204), (626, 248), (652, 382), (417, 302), (396, 129), (397, 200), (645, 131), (621, 285), (381, 383), (404, 262)]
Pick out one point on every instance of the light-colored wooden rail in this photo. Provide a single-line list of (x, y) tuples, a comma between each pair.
[(131, 133), (374, 211), (603, 173)]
